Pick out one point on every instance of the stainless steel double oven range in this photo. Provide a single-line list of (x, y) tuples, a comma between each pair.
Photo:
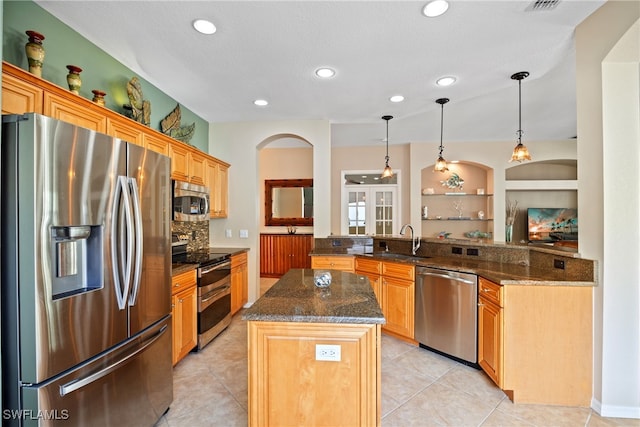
[(214, 289)]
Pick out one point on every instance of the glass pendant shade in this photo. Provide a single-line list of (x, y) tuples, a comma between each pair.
[(520, 151), (441, 163), (387, 172)]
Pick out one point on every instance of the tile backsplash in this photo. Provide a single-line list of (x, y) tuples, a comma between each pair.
[(198, 232)]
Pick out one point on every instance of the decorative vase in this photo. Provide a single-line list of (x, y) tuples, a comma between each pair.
[(98, 97), (508, 233), (73, 79), (35, 52)]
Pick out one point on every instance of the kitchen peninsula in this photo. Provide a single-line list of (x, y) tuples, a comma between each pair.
[(314, 353)]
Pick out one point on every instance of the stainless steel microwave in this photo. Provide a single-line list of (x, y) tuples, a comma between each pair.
[(190, 202)]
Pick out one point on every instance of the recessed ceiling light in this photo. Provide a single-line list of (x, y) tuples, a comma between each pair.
[(261, 102), (396, 98), (203, 26), (325, 72), (446, 81), (435, 8)]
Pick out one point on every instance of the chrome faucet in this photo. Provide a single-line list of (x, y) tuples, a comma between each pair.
[(415, 241)]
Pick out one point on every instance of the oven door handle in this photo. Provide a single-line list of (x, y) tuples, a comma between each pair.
[(215, 267), (214, 293)]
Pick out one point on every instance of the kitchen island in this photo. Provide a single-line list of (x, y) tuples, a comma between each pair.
[(314, 353)]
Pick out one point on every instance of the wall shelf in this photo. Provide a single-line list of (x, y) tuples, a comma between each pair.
[(524, 185)]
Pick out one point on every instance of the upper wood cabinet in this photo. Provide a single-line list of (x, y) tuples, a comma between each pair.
[(22, 92), (20, 97), (217, 179), (187, 164), (70, 111)]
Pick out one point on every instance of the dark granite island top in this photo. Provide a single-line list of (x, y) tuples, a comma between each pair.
[(295, 298)]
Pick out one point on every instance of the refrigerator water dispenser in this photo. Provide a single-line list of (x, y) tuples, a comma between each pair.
[(78, 259)]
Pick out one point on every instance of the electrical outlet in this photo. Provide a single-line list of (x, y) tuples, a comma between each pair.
[(228, 233), (456, 250), (472, 251), (382, 244), (336, 242), (244, 234), (558, 263), (328, 352)]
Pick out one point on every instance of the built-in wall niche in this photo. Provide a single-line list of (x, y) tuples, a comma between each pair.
[(462, 212), (543, 184)]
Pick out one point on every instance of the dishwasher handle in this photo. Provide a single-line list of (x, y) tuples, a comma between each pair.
[(446, 276)]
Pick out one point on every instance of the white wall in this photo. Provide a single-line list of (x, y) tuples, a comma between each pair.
[(607, 78), (238, 144)]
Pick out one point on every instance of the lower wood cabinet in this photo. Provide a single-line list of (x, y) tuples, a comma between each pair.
[(394, 286), (289, 386), (535, 342), (343, 262), (184, 311), (239, 282), (281, 252)]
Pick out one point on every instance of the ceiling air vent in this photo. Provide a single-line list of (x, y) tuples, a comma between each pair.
[(543, 5)]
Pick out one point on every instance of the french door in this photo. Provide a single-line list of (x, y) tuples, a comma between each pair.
[(369, 208)]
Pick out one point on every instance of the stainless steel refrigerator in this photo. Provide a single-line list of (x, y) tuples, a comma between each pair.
[(86, 259)]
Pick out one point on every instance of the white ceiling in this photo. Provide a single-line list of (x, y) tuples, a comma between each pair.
[(270, 49)]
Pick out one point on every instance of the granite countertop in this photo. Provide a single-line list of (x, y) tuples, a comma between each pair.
[(295, 298), (182, 268), (232, 251), (498, 272)]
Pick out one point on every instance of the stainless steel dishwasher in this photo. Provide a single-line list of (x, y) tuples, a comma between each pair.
[(446, 315)]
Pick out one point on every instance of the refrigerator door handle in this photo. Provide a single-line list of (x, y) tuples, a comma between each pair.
[(82, 382), (137, 216), (117, 242)]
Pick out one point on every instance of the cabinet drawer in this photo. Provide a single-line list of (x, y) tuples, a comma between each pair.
[(400, 271), (238, 259), (366, 265), (333, 262), (490, 291), (183, 281)]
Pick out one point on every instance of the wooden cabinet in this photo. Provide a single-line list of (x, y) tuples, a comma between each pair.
[(535, 342), (344, 263), (187, 164), (288, 385), (217, 179), (184, 310), (19, 97), (125, 132), (490, 348), (281, 252), (22, 92), (394, 286), (158, 143), (68, 110), (239, 282)]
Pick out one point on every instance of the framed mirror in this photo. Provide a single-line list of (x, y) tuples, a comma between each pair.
[(288, 202)]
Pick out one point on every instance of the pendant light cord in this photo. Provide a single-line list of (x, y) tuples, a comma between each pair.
[(519, 111), (441, 127)]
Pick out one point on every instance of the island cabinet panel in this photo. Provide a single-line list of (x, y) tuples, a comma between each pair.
[(239, 281), (184, 311), (19, 97), (535, 342), (281, 252), (343, 263), (289, 386)]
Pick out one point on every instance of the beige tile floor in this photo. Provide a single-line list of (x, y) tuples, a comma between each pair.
[(419, 388)]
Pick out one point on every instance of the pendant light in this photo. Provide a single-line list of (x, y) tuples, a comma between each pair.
[(387, 172), (520, 152), (441, 163)]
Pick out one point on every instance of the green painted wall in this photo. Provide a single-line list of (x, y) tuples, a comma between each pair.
[(64, 46)]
